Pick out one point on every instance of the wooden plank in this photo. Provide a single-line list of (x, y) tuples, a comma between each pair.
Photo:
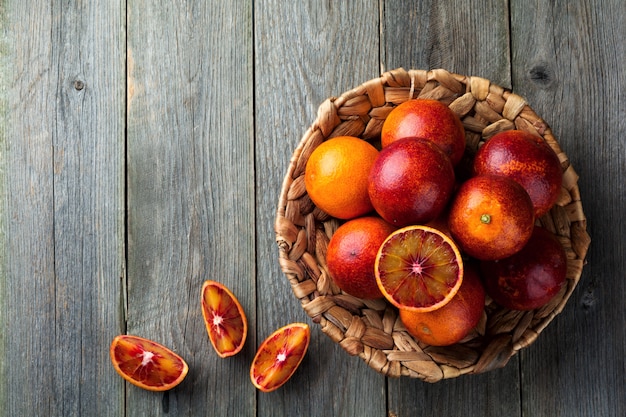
[(306, 52), (190, 192), (569, 68), (467, 38), (62, 227)]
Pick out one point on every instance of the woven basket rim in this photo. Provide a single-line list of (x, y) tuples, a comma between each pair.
[(371, 329)]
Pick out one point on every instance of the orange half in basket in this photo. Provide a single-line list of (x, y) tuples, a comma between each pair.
[(419, 268)]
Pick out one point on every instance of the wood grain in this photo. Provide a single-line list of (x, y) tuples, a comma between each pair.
[(62, 234), (464, 37), (142, 150), (190, 191), (571, 71), (306, 52)]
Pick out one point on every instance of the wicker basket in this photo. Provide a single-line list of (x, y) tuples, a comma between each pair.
[(371, 329)]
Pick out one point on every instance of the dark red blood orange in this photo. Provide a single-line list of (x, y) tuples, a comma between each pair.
[(530, 278), (410, 182)]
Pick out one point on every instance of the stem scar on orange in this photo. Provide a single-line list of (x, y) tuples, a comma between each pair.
[(491, 217), (147, 364), (279, 356), (224, 319), (419, 268)]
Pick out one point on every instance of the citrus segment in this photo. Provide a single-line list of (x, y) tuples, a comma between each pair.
[(224, 318), (418, 268), (147, 364), (279, 356)]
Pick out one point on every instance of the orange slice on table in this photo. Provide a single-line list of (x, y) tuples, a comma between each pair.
[(147, 364), (418, 268), (224, 318), (279, 356)]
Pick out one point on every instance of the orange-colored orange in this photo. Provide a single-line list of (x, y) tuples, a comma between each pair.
[(147, 364), (351, 255), (224, 318), (452, 322), (279, 356), (419, 268), (491, 217), (336, 176)]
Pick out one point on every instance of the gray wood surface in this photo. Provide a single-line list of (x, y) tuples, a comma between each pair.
[(62, 229), (569, 67), (142, 150), (190, 191)]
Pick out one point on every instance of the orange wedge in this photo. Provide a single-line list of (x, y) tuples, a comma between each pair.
[(279, 356), (147, 364), (224, 318)]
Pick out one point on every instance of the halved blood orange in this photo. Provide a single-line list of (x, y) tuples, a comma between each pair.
[(147, 364), (224, 318), (279, 356), (418, 268)]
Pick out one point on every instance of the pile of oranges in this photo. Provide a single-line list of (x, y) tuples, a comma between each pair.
[(434, 232), (419, 228)]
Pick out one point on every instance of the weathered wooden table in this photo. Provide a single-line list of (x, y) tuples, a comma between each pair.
[(142, 149)]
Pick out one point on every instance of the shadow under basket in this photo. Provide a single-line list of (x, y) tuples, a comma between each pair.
[(371, 329)]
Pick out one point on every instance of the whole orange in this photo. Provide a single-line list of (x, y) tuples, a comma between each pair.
[(452, 322), (411, 182), (530, 278), (336, 176), (527, 159), (427, 119), (352, 253), (491, 217)]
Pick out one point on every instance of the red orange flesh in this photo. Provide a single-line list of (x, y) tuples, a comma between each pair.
[(419, 268), (147, 364), (279, 356), (224, 318)]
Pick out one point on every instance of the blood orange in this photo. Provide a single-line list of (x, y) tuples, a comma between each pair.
[(224, 318), (451, 323), (526, 159), (410, 182), (491, 217), (279, 356), (352, 252), (147, 364), (428, 119), (531, 277), (419, 268)]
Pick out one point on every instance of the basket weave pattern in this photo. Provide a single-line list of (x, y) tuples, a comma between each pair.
[(371, 329)]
